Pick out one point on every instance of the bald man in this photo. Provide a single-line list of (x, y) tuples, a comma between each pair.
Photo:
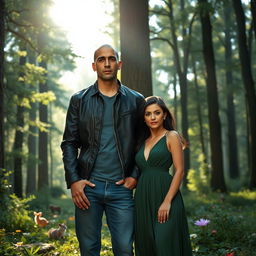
[(98, 154)]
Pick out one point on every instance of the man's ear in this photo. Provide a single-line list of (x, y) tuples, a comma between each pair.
[(120, 64), (94, 67)]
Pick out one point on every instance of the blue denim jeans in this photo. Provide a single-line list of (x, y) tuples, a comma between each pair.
[(117, 203)]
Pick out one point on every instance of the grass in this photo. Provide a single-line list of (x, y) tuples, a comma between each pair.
[(232, 227)]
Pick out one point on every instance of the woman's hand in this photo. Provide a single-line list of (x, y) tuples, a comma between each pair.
[(163, 212), (128, 182)]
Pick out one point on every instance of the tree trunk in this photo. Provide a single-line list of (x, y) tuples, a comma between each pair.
[(232, 138), (217, 177), (135, 47), (50, 145), (32, 163), (175, 98), (253, 13), (248, 85), (2, 43), (184, 124), (115, 35), (18, 142), (199, 114), (32, 143), (43, 179), (17, 149), (182, 73)]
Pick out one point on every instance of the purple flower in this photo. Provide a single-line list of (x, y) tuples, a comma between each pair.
[(202, 222)]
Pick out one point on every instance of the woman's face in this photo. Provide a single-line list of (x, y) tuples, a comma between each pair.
[(154, 116)]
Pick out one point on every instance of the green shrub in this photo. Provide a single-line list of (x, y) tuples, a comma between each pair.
[(41, 200), (231, 229), (14, 211), (57, 191), (199, 180)]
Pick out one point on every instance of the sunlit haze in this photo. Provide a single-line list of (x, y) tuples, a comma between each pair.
[(85, 24)]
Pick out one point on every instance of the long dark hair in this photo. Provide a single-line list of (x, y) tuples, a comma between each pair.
[(168, 124)]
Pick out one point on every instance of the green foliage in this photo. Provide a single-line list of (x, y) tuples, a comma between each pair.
[(14, 211), (41, 200), (57, 191), (231, 227), (30, 252), (198, 180), (219, 236)]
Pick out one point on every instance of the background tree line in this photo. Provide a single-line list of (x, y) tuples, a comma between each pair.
[(34, 54), (202, 53), (197, 55)]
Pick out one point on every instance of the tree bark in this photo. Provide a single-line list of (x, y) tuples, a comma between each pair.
[(253, 12), (50, 145), (182, 74), (17, 149), (2, 43), (32, 163), (18, 142), (135, 46), (43, 174), (217, 177), (248, 86), (32, 143), (199, 114), (175, 98), (232, 138)]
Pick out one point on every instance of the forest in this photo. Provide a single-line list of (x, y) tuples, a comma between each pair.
[(198, 55)]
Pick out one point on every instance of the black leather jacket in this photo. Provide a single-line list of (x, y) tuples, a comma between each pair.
[(81, 139)]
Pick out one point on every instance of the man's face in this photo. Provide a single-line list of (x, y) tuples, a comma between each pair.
[(106, 64)]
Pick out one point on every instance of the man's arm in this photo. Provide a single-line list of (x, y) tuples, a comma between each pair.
[(70, 145), (71, 142)]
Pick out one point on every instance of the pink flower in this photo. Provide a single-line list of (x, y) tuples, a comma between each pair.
[(214, 231), (202, 222)]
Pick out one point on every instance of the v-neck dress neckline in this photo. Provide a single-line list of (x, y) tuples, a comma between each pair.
[(146, 160)]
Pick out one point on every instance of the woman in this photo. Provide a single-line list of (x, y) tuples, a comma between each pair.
[(160, 222)]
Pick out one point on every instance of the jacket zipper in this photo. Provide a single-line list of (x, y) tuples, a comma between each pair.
[(117, 141)]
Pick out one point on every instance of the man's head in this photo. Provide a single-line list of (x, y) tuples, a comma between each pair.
[(106, 63)]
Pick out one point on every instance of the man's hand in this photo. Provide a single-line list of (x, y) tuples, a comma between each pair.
[(128, 182), (78, 196)]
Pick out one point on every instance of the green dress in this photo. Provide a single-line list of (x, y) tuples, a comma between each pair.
[(152, 238)]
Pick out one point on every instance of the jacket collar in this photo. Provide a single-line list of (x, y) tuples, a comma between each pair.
[(95, 89)]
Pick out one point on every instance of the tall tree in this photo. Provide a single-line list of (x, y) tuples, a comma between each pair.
[(43, 46), (43, 173), (32, 163), (18, 140), (253, 12), (232, 139), (217, 177), (181, 63), (248, 86), (199, 113), (2, 43), (135, 47), (32, 139)]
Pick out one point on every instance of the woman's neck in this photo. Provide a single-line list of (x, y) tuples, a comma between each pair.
[(154, 133)]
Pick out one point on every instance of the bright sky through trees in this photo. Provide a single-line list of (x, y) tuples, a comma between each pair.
[(85, 23)]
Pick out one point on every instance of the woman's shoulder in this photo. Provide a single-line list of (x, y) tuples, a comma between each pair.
[(173, 137), (172, 134)]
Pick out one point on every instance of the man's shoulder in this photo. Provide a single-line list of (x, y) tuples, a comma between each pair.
[(80, 94)]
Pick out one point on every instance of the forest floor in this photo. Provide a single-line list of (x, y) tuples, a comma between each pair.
[(231, 230)]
